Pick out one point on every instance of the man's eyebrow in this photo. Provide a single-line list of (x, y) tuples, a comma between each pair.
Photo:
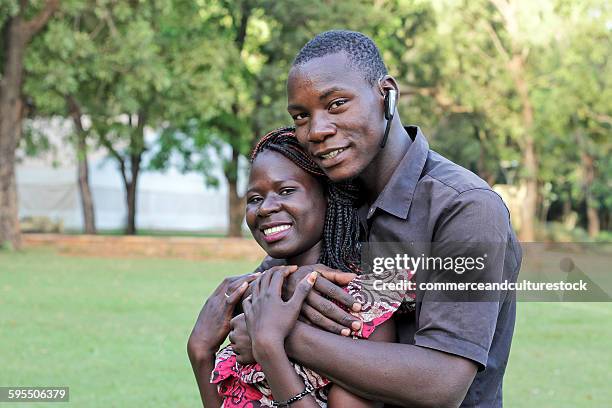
[(329, 92), (324, 95)]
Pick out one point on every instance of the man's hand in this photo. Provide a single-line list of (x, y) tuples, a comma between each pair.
[(318, 309), (213, 323), (240, 340)]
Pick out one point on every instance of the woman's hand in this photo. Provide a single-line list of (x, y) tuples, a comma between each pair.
[(269, 318), (213, 323)]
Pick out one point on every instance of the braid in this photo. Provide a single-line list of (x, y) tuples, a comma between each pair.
[(341, 248)]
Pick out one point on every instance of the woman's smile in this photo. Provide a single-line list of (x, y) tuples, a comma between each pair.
[(276, 233)]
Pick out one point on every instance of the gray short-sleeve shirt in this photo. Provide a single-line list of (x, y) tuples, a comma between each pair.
[(431, 199)]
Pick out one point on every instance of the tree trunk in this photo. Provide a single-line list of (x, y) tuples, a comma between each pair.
[(17, 33), (11, 111), (137, 147), (89, 218), (236, 203), (130, 194), (516, 67), (588, 174), (515, 58)]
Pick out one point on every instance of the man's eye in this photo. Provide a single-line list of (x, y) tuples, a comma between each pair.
[(287, 191), (254, 200), (337, 103)]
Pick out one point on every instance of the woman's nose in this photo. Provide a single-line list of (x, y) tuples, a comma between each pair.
[(269, 205)]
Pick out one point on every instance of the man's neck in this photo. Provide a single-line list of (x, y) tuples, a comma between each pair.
[(376, 176)]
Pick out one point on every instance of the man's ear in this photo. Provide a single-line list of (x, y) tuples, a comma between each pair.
[(386, 83)]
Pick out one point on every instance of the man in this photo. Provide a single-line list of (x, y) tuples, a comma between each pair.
[(450, 353)]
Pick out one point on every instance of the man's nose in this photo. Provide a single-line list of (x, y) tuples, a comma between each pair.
[(268, 206), (321, 128)]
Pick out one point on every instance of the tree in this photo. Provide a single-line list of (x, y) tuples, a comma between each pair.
[(260, 39), (18, 28), (59, 77)]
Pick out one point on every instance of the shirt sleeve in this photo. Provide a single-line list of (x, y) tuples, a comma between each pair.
[(268, 262), (475, 223)]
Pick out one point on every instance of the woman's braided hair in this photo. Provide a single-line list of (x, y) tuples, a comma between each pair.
[(341, 248)]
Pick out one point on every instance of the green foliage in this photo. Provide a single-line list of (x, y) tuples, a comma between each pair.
[(210, 76)]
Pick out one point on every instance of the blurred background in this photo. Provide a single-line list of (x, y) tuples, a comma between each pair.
[(122, 118)]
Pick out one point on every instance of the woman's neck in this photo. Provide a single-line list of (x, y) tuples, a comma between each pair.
[(308, 257)]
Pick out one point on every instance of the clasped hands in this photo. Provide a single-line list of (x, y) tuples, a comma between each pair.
[(268, 324), (272, 302)]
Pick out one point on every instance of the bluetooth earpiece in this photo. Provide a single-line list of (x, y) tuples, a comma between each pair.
[(390, 106), (390, 103)]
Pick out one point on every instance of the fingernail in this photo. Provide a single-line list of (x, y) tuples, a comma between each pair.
[(356, 325), (345, 332), (244, 285), (312, 277), (256, 274), (356, 307)]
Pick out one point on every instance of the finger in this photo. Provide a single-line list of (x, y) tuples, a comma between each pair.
[(333, 275), (332, 311), (317, 319), (289, 269), (303, 289), (276, 285), (256, 288), (247, 307), (230, 337), (266, 278), (235, 320), (236, 295), (238, 282), (333, 291)]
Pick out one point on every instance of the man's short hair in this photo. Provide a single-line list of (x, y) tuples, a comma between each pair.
[(362, 53)]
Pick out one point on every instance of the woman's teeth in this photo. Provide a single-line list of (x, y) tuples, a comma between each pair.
[(274, 230), (332, 154)]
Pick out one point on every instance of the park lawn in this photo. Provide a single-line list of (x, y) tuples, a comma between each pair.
[(114, 331)]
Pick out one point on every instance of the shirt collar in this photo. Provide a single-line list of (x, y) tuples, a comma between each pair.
[(397, 195)]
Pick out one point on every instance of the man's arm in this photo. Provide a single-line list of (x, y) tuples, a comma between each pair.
[(404, 375), (453, 338)]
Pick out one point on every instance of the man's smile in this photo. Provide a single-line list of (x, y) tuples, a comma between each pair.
[(330, 157)]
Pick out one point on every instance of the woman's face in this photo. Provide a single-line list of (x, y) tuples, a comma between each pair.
[(285, 208)]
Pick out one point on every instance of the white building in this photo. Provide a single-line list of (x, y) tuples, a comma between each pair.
[(47, 186)]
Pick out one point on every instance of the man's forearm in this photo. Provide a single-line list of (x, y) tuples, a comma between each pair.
[(403, 374), (202, 369)]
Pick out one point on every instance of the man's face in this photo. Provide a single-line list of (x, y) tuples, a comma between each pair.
[(338, 115)]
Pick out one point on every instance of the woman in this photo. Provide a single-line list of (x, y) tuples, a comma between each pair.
[(287, 199)]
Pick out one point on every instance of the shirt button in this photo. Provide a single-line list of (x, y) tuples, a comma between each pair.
[(370, 212)]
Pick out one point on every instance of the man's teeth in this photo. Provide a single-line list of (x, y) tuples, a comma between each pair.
[(274, 230), (332, 154)]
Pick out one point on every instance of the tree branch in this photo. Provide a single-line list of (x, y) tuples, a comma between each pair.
[(496, 41), (33, 26)]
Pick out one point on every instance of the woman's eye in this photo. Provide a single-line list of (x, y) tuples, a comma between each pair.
[(299, 116)]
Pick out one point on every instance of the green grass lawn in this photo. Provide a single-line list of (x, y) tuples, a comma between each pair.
[(114, 331)]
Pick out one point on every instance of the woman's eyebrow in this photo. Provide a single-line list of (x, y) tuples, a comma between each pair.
[(295, 106)]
